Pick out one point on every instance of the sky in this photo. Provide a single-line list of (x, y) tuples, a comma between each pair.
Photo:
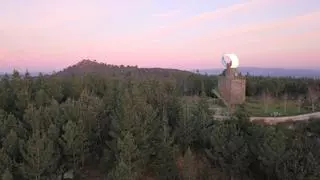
[(47, 35)]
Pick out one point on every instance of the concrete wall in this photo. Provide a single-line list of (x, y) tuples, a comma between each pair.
[(224, 86), (232, 89), (238, 91)]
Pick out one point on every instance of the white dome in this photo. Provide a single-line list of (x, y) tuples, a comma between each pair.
[(232, 58)]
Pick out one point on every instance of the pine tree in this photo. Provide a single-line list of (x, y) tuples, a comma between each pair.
[(42, 98), (39, 156), (203, 122), (189, 171), (300, 160), (7, 175), (54, 89), (146, 134), (8, 122), (53, 132), (186, 134), (267, 145), (164, 164), (6, 162), (54, 115), (91, 107), (10, 144), (7, 96), (74, 142), (127, 167), (31, 119), (115, 113), (229, 149)]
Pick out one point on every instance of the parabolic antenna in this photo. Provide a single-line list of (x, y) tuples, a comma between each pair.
[(223, 61), (227, 58)]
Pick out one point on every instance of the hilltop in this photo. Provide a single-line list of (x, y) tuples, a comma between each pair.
[(94, 67)]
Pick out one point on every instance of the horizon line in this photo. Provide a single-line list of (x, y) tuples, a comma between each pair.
[(150, 67)]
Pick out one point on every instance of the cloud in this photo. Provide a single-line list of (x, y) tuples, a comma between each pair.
[(164, 30), (167, 14), (295, 34), (240, 38), (269, 29), (56, 26), (55, 14), (211, 15)]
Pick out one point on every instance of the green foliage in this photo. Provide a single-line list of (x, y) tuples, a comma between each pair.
[(189, 171), (300, 160), (229, 149), (39, 156), (186, 133), (127, 167), (7, 175), (123, 124), (74, 143)]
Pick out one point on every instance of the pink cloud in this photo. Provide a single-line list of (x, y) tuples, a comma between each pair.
[(284, 59), (219, 13), (240, 37), (248, 41), (159, 33), (257, 51), (167, 14), (288, 23), (51, 14), (61, 37)]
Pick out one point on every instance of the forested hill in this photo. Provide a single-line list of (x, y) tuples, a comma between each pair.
[(93, 67)]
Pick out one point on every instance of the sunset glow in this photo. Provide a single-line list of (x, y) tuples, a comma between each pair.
[(189, 34)]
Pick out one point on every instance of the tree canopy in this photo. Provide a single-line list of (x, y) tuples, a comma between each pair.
[(115, 127)]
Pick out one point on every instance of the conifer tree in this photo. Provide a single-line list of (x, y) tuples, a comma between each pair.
[(115, 112), (127, 167), (54, 89), (189, 171), (186, 134), (75, 144), (229, 149), (53, 115), (6, 162), (268, 144), (40, 156), (7, 122), (146, 135), (7, 175), (91, 107), (42, 98), (164, 164), (203, 121), (10, 144), (300, 160)]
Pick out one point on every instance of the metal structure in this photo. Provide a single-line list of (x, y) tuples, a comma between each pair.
[(233, 60)]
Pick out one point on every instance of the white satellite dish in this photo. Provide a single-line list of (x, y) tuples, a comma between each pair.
[(232, 58)]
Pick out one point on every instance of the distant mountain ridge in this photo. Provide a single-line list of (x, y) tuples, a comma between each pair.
[(273, 72), (89, 66)]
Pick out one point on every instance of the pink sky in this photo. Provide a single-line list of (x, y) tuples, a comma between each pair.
[(190, 34)]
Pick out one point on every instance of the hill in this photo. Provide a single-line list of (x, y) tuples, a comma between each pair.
[(93, 67)]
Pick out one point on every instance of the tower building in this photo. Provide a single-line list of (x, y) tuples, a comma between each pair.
[(231, 84)]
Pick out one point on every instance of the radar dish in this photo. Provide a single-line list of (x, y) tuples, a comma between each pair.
[(224, 62), (232, 58)]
